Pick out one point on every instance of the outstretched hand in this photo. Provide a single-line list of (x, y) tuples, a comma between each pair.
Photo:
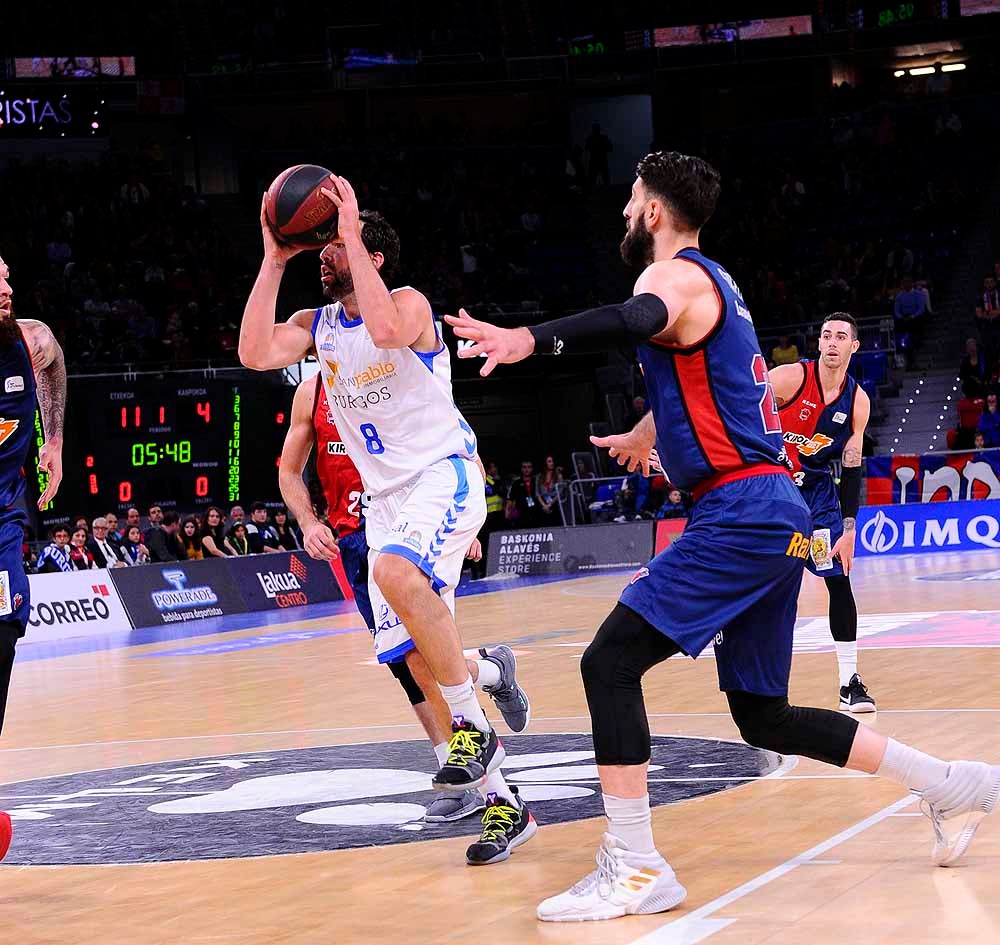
[(497, 345), (631, 450)]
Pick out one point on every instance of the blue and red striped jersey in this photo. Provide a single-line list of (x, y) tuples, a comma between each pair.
[(712, 401), (816, 432), (17, 419)]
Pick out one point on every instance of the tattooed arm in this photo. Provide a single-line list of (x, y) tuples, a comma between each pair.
[(850, 481), (50, 377)]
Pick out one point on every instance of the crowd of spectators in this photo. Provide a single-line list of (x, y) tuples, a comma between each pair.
[(163, 536)]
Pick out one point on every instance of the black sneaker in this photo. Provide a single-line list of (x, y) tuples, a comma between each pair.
[(507, 695), (472, 755), (505, 826), (854, 696)]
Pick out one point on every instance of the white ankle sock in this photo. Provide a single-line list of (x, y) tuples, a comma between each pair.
[(847, 660), (495, 784), (441, 751), (910, 767), (462, 700), (630, 820), (489, 674)]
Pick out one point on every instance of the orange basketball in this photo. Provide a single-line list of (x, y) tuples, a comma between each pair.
[(296, 209)]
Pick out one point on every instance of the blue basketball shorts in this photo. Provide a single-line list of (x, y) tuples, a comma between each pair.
[(354, 556), (15, 595), (820, 494), (733, 578)]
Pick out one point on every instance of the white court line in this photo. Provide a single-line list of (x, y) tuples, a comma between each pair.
[(368, 728), (697, 926)]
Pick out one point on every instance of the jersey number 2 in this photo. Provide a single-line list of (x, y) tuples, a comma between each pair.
[(768, 408)]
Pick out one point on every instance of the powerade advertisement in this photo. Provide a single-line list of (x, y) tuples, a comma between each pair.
[(159, 594), (905, 479), (288, 579), (924, 528)]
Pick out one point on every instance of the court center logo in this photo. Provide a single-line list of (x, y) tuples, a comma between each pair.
[(331, 798)]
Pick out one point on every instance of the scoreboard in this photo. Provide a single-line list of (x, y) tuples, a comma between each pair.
[(184, 445)]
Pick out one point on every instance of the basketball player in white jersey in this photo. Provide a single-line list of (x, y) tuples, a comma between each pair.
[(387, 377)]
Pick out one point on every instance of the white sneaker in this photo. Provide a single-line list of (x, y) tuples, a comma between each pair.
[(971, 788), (624, 883)]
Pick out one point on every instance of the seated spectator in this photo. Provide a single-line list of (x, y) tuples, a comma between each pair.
[(213, 533), (131, 518), (191, 539), (55, 557), (989, 422), (970, 409), (236, 514), (973, 371), (79, 557), (547, 491), (979, 443), (162, 539), (133, 550), (155, 516), (674, 507), (102, 547), (114, 536), (988, 322), (631, 499), (910, 304), (522, 505), (637, 412), (287, 537), (236, 540), (785, 352), (262, 537)]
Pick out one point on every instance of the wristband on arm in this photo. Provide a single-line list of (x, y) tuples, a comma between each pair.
[(598, 329)]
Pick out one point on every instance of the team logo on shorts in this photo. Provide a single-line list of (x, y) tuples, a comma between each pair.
[(414, 540), (313, 800), (18, 600), (639, 575), (820, 549)]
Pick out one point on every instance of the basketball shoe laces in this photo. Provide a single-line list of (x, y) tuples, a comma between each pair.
[(497, 820), (463, 746), (604, 877)]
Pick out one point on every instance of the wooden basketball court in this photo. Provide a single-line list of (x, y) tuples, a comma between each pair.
[(234, 739)]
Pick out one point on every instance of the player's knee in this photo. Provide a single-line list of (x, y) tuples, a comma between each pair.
[(394, 574), (762, 720), (608, 663), (410, 686)]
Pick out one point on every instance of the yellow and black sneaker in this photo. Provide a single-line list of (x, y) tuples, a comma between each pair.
[(472, 755), (506, 825)]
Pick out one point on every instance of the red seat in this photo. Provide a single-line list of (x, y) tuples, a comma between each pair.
[(969, 411)]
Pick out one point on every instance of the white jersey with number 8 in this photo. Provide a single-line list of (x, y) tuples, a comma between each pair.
[(393, 406)]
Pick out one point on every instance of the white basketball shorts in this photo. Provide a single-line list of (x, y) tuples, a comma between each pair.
[(431, 521)]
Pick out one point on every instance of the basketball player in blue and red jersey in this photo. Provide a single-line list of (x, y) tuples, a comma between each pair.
[(33, 372), (312, 425), (734, 576), (823, 415)]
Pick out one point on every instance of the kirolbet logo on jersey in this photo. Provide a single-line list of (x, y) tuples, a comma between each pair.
[(285, 588), (7, 427), (809, 446), (336, 448)]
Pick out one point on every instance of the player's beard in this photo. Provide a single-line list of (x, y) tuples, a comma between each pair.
[(339, 287), (10, 334), (637, 247)]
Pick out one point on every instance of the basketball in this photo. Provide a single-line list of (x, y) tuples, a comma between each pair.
[(297, 210)]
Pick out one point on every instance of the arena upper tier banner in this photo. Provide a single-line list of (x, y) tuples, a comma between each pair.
[(933, 478), (923, 528), (285, 579), (584, 548), (178, 591), (74, 604)]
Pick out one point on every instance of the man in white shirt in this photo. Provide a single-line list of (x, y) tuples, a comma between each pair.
[(105, 554)]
